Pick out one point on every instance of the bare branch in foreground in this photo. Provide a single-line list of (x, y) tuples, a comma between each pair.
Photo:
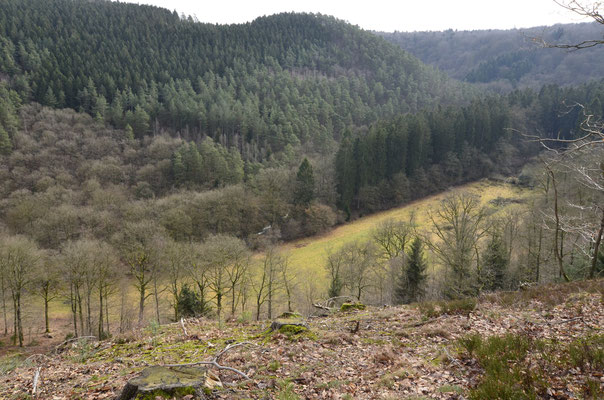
[(214, 362)]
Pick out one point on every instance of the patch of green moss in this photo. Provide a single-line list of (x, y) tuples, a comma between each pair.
[(352, 306), (290, 315), (170, 394), (292, 329)]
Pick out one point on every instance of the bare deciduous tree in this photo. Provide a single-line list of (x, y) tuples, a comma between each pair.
[(19, 258), (457, 227)]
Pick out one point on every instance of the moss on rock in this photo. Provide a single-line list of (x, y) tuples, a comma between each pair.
[(352, 306)]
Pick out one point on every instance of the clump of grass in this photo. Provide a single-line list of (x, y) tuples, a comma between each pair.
[(84, 350), (471, 343), (386, 381), (10, 362), (286, 391), (450, 389), (504, 360), (592, 390), (587, 353), (273, 366)]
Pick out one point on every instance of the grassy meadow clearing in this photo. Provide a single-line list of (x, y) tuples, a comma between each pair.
[(308, 255)]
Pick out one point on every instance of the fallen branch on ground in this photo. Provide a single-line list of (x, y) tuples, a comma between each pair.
[(451, 358), (72, 340), (36, 380), (328, 305), (215, 361), (182, 325)]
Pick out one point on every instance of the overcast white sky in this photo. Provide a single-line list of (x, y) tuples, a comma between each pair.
[(383, 15)]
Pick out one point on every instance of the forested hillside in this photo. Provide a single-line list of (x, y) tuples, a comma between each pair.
[(506, 59), (280, 80), (145, 157)]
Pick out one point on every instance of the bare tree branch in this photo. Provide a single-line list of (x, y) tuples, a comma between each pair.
[(592, 10), (215, 361)]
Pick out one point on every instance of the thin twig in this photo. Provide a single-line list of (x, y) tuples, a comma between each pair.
[(73, 340), (451, 358), (214, 361), (564, 321), (36, 356), (182, 325), (36, 379)]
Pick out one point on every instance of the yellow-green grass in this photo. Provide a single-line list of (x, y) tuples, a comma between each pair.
[(307, 256)]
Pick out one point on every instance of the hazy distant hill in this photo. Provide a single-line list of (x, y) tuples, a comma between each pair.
[(509, 58)]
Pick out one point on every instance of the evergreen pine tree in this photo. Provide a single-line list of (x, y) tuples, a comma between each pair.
[(178, 169), (50, 99), (495, 262), (305, 184), (129, 133), (6, 146), (410, 285), (335, 287), (193, 164)]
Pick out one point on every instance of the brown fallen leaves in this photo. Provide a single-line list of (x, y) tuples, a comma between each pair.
[(386, 358)]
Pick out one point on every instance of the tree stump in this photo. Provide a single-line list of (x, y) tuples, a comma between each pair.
[(289, 323), (170, 382)]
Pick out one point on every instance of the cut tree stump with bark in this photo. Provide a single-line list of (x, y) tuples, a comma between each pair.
[(173, 381)]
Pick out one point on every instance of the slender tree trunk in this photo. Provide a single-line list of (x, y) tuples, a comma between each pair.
[(233, 300), (46, 321), (14, 320), (141, 304), (108, 330), (270, 299), (594, 258), (122, 306), (88, 311), (288, 293), (175, 299), (80, 311), (4, 313), (156, 296), (19, 322), (558, 247), (219, 304), (101, 335), (74, 311), (538, 266)]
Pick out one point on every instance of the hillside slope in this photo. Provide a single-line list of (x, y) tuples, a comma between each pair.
[(308, 255), (505, 59), (543, 342), (279, 80)]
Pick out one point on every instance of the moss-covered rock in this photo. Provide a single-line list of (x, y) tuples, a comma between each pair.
[(289, 325), (290, 315), (169, 382), (352, 306)]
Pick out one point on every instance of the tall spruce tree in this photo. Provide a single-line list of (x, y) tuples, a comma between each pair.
[(410, 285), (305, 184), (6, 145), (495, 262)]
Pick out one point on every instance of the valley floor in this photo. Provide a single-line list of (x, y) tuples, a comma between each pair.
[(426, 351)]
